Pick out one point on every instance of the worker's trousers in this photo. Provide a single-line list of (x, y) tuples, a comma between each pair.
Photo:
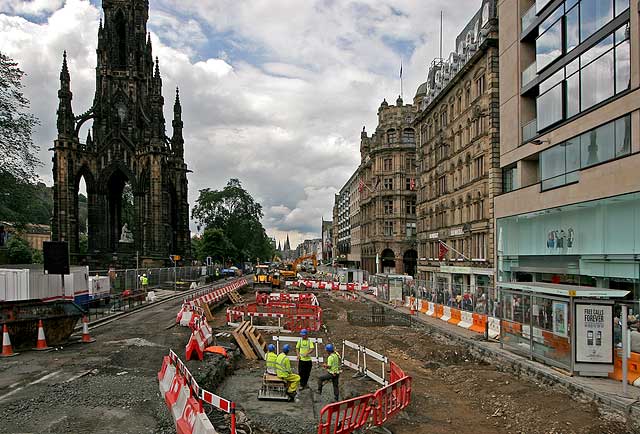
[(335, 379), (304, 369), (292, 382)]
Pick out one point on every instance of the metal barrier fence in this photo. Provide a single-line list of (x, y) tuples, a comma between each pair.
[(470, 298), (166, 278), (380, 316)]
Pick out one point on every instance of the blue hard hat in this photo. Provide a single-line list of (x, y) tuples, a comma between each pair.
[(286, 348), (271, 347), (304, 332), (329, 348)]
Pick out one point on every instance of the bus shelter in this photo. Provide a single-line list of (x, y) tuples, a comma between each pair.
[(567, 326)]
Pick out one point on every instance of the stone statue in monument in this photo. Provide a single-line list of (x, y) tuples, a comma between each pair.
[(126, 235)]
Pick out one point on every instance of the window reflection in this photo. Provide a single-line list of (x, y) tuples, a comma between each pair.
[(593, 15), (549, 107), (597, 83), (549, 46), (559, 165)]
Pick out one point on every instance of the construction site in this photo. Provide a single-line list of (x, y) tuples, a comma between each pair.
[(195, 364)]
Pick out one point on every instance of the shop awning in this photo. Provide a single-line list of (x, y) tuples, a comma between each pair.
[(564, 290)]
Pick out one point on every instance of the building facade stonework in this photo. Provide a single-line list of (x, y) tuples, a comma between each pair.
[(387, 192), (458, 127), (126, 152)]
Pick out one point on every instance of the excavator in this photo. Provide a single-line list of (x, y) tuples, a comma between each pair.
[(289, 271)]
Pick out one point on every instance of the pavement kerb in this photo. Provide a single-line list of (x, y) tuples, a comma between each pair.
[(109, 319), (628, 406)]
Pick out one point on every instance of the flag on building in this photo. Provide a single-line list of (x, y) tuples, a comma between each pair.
[(360, 186), (442, 250), (412, 184)]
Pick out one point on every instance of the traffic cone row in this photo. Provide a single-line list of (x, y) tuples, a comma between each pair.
[(41, 345), (7, 351)]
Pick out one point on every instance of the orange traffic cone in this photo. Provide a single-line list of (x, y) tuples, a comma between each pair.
[(86, 338), (7, 351), (41, 345)]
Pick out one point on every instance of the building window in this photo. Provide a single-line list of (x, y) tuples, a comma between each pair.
[(560, 164), (408, 136), (387, 164), (391, 137), (442, 185), (411, 207), (549, 43), (388, 183), (479, 166), (443, 117), (459, 104), (480, 85), (410, 163), (388, 228), (478, 246), (509, 178), (411, 230), (467, 96), (388, 207)]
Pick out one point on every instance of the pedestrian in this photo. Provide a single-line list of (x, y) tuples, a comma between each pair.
[(283, 370), (271, 358), (144, 280), (304, 346), (333, 372)]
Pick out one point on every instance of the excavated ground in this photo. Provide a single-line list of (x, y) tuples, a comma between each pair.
[(111, 386), (453, 392)]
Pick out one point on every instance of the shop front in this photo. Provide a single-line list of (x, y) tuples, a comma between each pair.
[(567, 326)]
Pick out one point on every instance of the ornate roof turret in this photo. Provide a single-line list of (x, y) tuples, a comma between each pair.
[(66, 119), (177, 140)]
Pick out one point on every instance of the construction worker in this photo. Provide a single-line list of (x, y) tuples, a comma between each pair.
[(144, 280), (304, 346), (271, 358), (333, 371), (283, 370)]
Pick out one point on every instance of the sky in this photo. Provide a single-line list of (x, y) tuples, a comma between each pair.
[(274, 92)]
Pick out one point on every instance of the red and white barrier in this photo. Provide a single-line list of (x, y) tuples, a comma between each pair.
[(184, 398), (466, 319)]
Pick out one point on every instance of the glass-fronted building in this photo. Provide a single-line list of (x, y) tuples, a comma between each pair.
[(568, 219)]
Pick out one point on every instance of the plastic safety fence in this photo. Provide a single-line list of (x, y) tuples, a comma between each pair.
[(289, 316), (476, 322), (184, 398), (328, 285), (263, 299), (372, 409)]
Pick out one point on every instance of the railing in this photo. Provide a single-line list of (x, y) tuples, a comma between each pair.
[(529, 130), (529, 73), (529, 17)]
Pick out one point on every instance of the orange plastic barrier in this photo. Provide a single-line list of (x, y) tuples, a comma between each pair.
[(633, 367), (346, 416), (455, 316), (390, 400), (479, 323), (439, 310), (511, 327), (395, 372), (424, 306)]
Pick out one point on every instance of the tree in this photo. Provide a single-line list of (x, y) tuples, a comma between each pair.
[(231, 221), (19, 251), (18, 153), (23, 202)]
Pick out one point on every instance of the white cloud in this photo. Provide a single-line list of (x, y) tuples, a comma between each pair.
[(274, 92)]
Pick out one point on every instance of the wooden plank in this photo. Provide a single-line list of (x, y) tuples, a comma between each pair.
[(255, 338), (207, 312), (245, 347)]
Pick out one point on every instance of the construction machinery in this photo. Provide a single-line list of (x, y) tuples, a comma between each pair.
[(289, 271), (262, 278)]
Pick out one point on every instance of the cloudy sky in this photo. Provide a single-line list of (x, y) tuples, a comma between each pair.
[(274, 92)]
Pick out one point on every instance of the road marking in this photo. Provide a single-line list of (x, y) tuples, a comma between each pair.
[(46, 377), (6, 395)]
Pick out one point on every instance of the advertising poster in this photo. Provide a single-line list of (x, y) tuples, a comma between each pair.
[(594, 333), (560, 318)]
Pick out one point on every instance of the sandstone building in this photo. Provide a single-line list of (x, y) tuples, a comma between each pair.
[(458, 125)]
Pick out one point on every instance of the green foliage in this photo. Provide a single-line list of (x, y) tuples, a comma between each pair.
[(23, 202), (38, 257), (18, 153), (231, 221), (84, 244), (19, 251)]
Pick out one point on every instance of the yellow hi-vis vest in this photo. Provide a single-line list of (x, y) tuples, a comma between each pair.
[(145, 281), (271, 358), (304, 347), (283, 366), (333, 363)]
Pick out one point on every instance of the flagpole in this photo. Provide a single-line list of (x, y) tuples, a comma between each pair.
[(454, 250), (401, 87)]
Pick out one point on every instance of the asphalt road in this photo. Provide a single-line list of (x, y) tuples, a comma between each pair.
[(109, 386)]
